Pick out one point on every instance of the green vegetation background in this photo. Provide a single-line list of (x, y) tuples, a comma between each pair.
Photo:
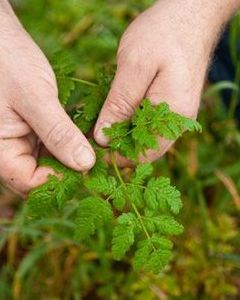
[(205, 168)]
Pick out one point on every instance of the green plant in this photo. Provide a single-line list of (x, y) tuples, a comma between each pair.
[(140, 207), (40, 259)]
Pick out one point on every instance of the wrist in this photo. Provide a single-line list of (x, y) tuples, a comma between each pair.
[(198, 22), (218, 12), (5, 8), (9, 23), (212, 17)]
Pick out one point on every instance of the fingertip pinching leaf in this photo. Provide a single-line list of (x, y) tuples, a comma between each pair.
[(142, 132)]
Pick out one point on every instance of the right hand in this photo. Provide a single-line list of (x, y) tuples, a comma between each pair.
[(164, 56), (30, 109)]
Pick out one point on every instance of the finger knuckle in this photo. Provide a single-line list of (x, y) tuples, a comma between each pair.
[(24, 188), (60, 135), (133, 58), (189, 109), (16, 184), (154, 96), (50, 85), (121, 104)]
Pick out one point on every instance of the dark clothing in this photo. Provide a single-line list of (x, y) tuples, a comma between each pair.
[(223, 68)]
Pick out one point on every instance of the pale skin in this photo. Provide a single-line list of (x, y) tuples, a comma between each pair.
[(163, 55)]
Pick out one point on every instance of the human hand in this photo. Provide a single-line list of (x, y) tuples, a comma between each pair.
[(29, 108), (164, 56)]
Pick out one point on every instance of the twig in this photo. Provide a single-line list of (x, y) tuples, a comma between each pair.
[(230, 186)]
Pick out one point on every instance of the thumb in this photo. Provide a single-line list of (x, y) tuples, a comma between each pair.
[(58, 133), (129, 86)]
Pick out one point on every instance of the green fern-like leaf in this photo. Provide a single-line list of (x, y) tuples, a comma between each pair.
[(123, 235), (63, 67), (142, 132), (161, 194), (135, 195), (41, 201), (90, 105), (158, 260), (92, 213), (142, 172), (102, 184), (119, 198), (163, 224), (51, 196), (153, 254)]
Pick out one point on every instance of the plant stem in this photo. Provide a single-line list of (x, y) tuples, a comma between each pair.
[(5, 222), (116, 169), (204, 218), (141, 221), (82, 81)]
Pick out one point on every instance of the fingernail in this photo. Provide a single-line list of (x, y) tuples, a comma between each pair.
[(84, 157), (101, 138)]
